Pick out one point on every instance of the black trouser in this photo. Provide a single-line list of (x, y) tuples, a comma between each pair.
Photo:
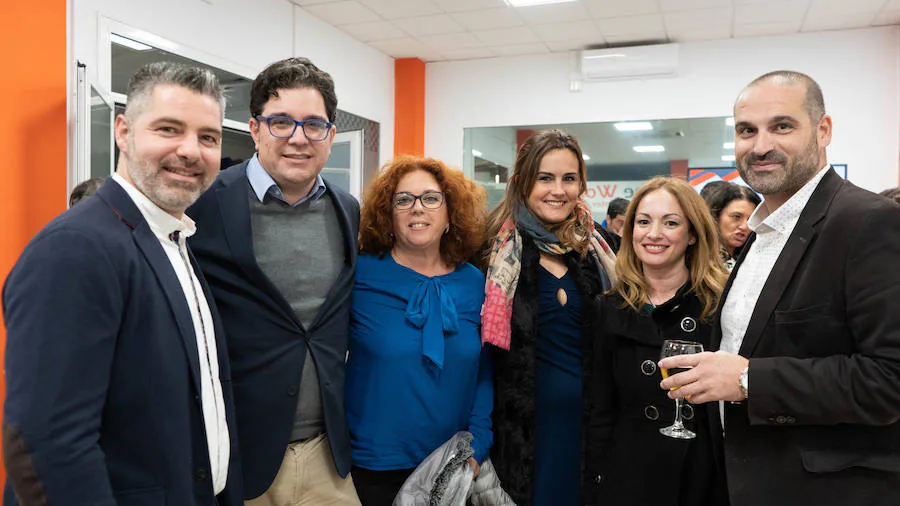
[(378, 488)]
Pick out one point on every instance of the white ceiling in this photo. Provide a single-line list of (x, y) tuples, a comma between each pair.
[(440, 30)]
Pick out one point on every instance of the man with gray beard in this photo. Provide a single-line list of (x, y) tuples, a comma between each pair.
[(118, 383), (808, 364)]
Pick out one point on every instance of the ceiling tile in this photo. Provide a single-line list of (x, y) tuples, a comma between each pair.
[(554, 13), (342, 13), (429, 25), (451, 41), (583, 30), (767, 29), (314, 2), (842, 22), (469, 5), (836, 8), (402, 48), (697, 20), (691, 5), (376, 30), (613, 8), (761, 12), (502, 36), (575, 44), (631, 24), (637, 39), (469, 54), (488, 18), (707, 33), (887, 18), (520, 49), (892, 5), (394, 9)]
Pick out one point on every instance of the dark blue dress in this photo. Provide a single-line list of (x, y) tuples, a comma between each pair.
[(558, 394)]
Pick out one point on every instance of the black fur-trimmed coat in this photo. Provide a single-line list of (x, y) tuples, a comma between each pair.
[(513, 450)]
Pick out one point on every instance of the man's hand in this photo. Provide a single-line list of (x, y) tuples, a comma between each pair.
[(712, 377), (475, 466)]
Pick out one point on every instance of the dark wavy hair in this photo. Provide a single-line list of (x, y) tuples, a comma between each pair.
[(892, 193), (289, 74), (721, 197), (465, 201)]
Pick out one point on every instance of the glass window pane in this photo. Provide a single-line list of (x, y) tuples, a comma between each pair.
[(101, 136), (338, 177)]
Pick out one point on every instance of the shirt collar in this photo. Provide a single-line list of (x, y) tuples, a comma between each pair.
[(783, 219), (161, 223), (262, 183)]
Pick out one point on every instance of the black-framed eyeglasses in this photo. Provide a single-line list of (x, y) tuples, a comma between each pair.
[(430, 200), (284, 127)]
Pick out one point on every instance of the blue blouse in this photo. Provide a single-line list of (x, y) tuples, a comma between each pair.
[(417, 372)]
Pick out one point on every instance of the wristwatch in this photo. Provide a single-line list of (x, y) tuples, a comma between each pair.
[(744, 382)]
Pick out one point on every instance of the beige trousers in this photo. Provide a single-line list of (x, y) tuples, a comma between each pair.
[(308, 477)]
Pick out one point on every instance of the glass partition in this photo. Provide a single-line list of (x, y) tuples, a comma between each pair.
[(620, 156)]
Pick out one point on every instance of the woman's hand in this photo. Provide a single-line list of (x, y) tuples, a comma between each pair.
[(475, 466)]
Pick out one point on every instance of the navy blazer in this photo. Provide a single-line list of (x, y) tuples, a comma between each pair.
[(102, 368), (266, 341), (822, 423)]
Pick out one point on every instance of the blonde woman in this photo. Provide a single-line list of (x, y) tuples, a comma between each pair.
[(669, 278)]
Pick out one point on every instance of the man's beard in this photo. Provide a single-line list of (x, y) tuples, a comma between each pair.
[(171, 196), (794, 172)]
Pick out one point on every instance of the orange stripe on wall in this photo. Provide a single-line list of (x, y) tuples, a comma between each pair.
[(409, 106), (32, 128)]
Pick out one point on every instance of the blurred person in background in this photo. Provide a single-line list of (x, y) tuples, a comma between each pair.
[(731, 206)]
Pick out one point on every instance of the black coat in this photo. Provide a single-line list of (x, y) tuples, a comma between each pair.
[(629, 462), (513, 450)]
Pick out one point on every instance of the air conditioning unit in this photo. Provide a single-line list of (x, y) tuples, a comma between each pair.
[(629, 62)]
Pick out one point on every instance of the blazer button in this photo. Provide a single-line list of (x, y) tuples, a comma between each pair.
[(651, 413), (292, 391), (687, 411), (780, 420), (598, 479), (790, 419), (197, 397), (200, 474), (648, 367)]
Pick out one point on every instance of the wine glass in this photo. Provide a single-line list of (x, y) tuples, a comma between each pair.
[(672, 347)]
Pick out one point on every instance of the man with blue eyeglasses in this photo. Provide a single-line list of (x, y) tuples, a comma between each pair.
[(278, 247)]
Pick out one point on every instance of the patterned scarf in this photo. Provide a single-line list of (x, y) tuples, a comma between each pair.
[(505, 264)]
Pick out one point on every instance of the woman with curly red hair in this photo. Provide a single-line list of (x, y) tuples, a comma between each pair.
[(416, 372)]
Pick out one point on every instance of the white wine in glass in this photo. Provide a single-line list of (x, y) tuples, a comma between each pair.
[(672, 347)]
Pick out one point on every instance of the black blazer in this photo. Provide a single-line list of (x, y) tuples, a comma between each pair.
[(821, 424), (102, 368), (266, 341)]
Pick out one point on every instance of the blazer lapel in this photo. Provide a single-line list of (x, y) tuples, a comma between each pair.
[(232, 199), (128, 213), (790, 257), (350, 253)]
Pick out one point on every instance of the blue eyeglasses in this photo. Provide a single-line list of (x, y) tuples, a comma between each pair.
[(284, 127)]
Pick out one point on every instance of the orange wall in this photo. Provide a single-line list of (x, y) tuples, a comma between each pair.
[(32, 127), (409, 106)]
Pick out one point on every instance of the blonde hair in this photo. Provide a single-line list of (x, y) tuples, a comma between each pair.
[(528, 162), (701, 258)]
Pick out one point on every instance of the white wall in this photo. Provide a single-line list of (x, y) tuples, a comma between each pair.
[(859, 72), (248, 35)]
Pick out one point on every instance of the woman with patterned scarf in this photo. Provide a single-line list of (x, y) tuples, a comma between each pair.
[(546, 264)]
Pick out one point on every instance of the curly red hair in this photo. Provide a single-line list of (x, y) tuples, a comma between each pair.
[(465, 201)]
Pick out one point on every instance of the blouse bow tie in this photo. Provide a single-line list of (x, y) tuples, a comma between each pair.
[(427, 302)]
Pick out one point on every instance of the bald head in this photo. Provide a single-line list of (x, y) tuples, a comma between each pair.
[(814, 104)]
